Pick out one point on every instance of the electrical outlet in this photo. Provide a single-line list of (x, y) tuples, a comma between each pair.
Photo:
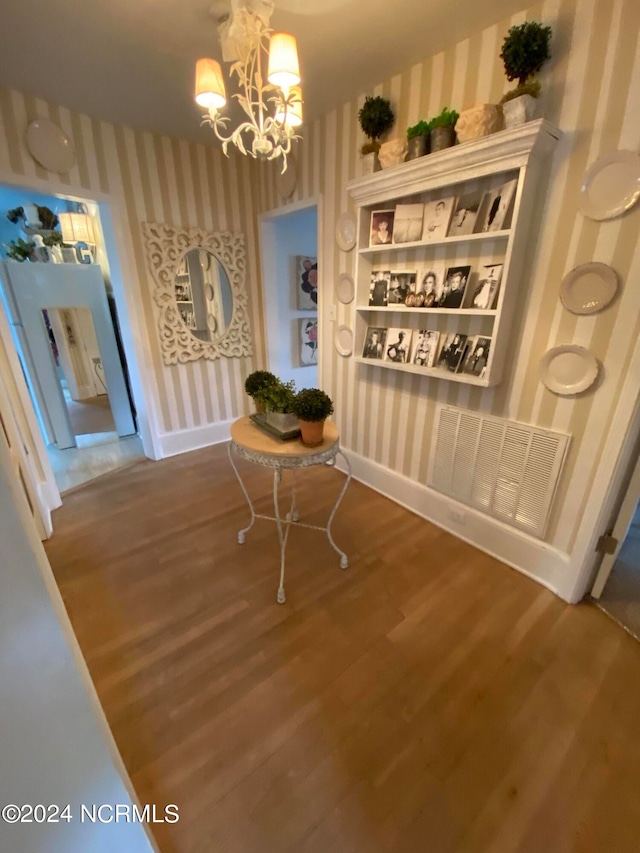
[(457, 515)]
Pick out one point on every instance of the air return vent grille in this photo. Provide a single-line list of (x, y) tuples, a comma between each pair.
[(503, 468)]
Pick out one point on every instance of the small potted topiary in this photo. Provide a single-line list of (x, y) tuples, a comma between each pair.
[(278, 399), (21, 250), (256, 383), (443, 134), (524, 51), (312, 407), (418, 139), (376, 118)]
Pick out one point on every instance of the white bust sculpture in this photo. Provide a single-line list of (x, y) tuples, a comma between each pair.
[(392, 152), (477, 121)]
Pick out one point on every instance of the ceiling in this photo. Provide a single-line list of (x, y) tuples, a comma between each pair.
[(131, 62)]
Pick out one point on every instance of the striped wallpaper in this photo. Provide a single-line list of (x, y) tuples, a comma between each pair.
[(591, 90), (153, 178)]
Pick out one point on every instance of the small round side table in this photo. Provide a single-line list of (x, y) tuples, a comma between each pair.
[(253, 444)]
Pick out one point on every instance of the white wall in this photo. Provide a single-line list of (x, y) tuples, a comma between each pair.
[(284, 237), (55, 746)]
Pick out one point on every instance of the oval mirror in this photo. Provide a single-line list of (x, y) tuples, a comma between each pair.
[(203, 295)]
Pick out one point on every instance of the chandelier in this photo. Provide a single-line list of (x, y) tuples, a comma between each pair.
[(273, 106)]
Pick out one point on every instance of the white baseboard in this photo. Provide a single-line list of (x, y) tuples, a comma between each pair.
[(173, 443), (530, 556)]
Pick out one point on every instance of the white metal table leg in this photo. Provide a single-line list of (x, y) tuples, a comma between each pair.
[(282, 535), (292, 515), (244, 530), (344, 560)]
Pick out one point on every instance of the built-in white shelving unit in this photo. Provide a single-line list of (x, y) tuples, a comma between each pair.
[(482, 165)]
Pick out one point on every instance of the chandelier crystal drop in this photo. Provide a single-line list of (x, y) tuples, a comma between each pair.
[(273, 106)]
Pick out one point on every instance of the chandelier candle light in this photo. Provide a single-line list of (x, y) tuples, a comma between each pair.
[(274, 108)]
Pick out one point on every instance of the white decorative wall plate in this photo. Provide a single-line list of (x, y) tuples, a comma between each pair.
[(343, 340), (346, 231), (345, 288), (568, 369), (589, 288), (611, 185), (49, 146)]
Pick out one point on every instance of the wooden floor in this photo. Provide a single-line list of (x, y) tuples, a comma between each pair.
[(427, 699)]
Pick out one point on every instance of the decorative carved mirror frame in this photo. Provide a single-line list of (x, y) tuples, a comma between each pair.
[(165, 248)]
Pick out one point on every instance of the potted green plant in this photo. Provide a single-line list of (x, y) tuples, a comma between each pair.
[(376, 118), (312, 407), (524, 51), (256, 383), (418, 139), (278, 399), (20, 250), (443, 134)]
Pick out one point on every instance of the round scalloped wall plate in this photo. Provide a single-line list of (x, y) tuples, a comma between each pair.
[(345, 288), (343, 341), (611, 185), (589, 288), (568, 369), (49, 146), (346, 231)]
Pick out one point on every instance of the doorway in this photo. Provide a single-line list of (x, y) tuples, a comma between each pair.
[(289, 250), (617, 585), (94, 430)]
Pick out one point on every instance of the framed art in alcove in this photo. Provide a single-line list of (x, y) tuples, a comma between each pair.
[(306, 283), (308, 341)]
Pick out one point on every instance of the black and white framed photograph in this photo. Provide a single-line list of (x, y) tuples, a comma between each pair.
[(495, 206), (398, 346), (465, 214), (379, 288), (455, 286), (452, 352), (431, 288), (477, 357), (381, 227), (426, 348), (485, 292), (401, 285), (407, 224), (437, 215), (306, 283), (374, 342)]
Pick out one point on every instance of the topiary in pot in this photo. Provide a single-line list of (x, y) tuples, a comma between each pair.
[(312, 407), (418, 139), (278, 399), (524, 51), (20, 250), (443, 134), (376, 118), (256, 383)]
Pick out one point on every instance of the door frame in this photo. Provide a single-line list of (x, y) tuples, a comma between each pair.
[(619, 530), (131, 315)]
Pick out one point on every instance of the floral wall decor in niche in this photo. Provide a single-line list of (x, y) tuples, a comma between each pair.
[(309, 341), (199, 288), (306, 282)]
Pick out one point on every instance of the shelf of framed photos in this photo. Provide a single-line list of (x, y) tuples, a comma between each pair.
[(446, 241), (433, 372), (450, 349)]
